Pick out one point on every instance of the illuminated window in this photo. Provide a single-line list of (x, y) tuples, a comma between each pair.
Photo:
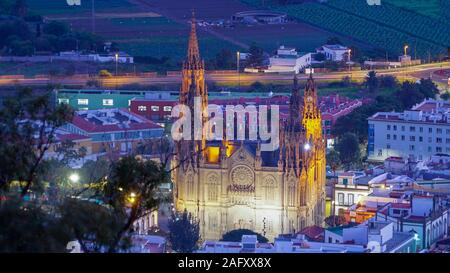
[(155, 108), (63, 101), (167, 108), (142, 108), (83, 101), (108, 102)]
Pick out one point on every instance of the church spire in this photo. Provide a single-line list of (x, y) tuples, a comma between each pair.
[(193, 50)]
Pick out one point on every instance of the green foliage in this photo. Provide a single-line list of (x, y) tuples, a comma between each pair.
[(333, 160), (56, 28), (25, 143), (30, 228), (348, 148), (236, 235), (256, 57), (184, 232), (94, 226), (372, 82)]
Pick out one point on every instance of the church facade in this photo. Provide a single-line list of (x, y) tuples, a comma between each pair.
[(230, 185)]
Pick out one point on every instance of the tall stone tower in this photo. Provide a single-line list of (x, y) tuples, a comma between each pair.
[(316, 146), (193, 86)]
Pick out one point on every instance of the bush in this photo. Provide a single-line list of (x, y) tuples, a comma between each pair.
[(236, 236)]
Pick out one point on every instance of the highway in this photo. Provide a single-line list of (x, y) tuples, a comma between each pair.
[(233, 78)]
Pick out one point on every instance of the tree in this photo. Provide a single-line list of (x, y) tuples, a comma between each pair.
[(28, 227), (27, 131), (184, 232), (333, 160), (132, 190), (445, 96), (348, 148), (236, 235), (372, 82), (388, 81), (56, 28), (256, 57), (225, 59), (333, 41)]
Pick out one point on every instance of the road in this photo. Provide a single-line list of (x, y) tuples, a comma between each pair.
[(233, 78)]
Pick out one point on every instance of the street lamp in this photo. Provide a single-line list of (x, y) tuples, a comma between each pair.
[(117, 60), (74, 177), (405, 48), (238, 68)]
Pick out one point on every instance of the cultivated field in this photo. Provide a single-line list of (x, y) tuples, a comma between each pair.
[(139, 30), (302, 36), (425, 7), (386, 27)]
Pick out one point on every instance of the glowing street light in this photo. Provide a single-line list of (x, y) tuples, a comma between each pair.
[(405, 48), (307, 147), (132, 198), (74, 177)]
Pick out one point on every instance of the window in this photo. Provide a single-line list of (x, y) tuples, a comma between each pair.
[(345, 181), (438, 149), (412, 138), (167, 108), (389, 127), (420, 139), (388, 136), (430, 140), (83, 101), (395, 137), (155, 108), (340, 198), (65, 101), (380, 152), (388, 146), (411, 147), (438, 140), (108, 102), (439, 130), (403, 128), (447, 131), (421, 129), (430, 130), (142, 108), (412, 129), (395, 127), (351, 199), (403, 137), (447, 140), (429, 149)]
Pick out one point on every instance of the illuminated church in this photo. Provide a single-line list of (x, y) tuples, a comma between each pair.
[(234, 184)]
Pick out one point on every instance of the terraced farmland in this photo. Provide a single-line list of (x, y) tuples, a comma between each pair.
[(362, 29), (400, 19)]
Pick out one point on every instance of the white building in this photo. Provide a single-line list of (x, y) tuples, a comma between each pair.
[(376, 236), (335, 53), (415, 134), (282, 244), (348, 190), (289, 60), (426, 215)]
